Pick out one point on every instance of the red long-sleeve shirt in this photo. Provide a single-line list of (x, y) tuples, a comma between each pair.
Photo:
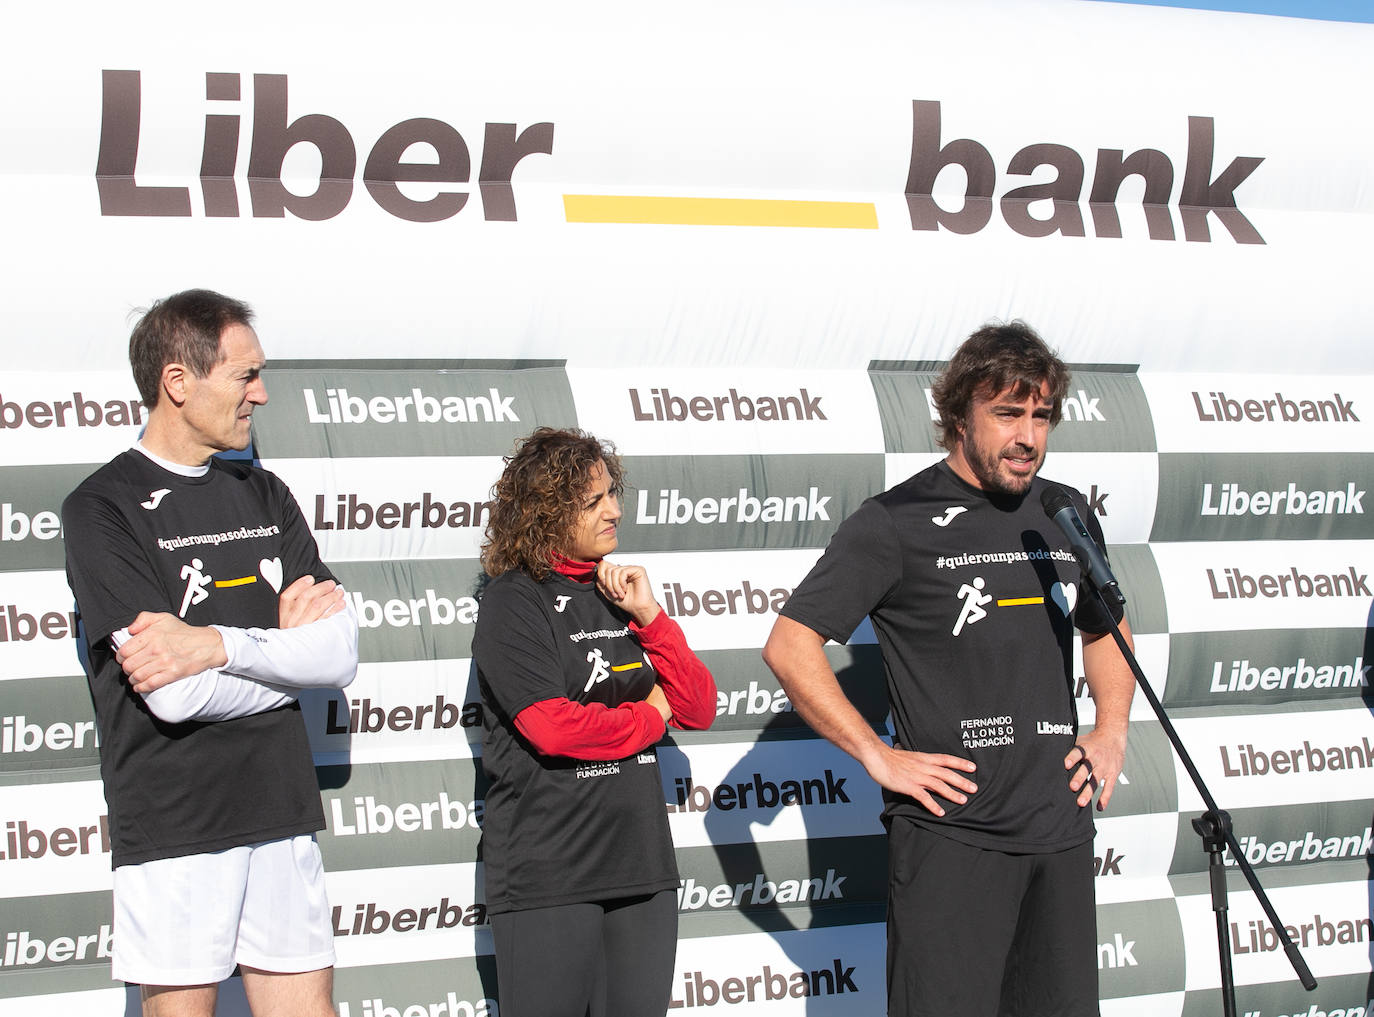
[(561, 727)]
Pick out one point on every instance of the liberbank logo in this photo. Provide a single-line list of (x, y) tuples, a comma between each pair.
[(1224, 408), (1235, 584), (661, 404), (1228, 669), (1246, 760), (766, 794), (669, 507), (1247, 495), (274, 134), (1308, 848), (1243, 676), (694, 896), (764, 985), (744, 501), (1258, 936), (1231, 499), (338, 406)]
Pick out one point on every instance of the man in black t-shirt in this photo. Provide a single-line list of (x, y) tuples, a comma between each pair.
[(206, 609), (974, 597)]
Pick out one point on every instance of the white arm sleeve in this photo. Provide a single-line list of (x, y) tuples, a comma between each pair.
[(321, 654)]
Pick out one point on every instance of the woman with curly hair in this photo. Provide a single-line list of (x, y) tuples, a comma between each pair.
[(581, 671)]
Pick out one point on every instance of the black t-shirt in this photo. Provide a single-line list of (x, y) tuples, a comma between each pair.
[(216, 549), (973, 600), (559, 830)]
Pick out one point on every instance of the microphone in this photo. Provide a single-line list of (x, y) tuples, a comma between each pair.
[(1059, 507)]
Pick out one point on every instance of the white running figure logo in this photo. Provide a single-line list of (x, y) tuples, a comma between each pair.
[(196, 581), (974, 599), (600, 669)]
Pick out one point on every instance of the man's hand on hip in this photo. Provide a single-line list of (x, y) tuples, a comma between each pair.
[(924, 775)]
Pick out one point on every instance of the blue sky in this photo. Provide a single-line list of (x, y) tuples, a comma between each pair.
[(1323, 10)]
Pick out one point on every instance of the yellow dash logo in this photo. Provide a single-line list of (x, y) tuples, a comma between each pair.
[(1021, 602), (628, 667), (691, 211), (221, 583)]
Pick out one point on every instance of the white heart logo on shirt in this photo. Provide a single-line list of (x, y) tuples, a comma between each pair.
[(1064, 597), (270, 569)]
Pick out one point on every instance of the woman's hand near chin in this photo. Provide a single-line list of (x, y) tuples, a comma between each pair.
[(628, 587)]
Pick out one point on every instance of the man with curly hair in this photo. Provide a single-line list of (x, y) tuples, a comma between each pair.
[(974, 598)]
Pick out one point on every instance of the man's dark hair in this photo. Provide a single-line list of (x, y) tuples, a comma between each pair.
[(185, 328), (995, 358)]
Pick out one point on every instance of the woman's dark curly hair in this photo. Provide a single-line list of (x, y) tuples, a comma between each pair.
[(537, 501)]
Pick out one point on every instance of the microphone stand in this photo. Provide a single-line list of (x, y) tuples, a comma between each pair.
[(1214, 827)]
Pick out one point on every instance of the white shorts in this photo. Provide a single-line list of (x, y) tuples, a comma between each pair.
[(189, 920)]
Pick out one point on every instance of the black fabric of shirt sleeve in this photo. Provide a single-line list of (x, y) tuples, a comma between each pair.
[(110, 575), (515, 649), (859, 569)]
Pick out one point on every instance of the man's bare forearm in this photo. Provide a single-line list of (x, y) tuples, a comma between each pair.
[(796, 657)]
